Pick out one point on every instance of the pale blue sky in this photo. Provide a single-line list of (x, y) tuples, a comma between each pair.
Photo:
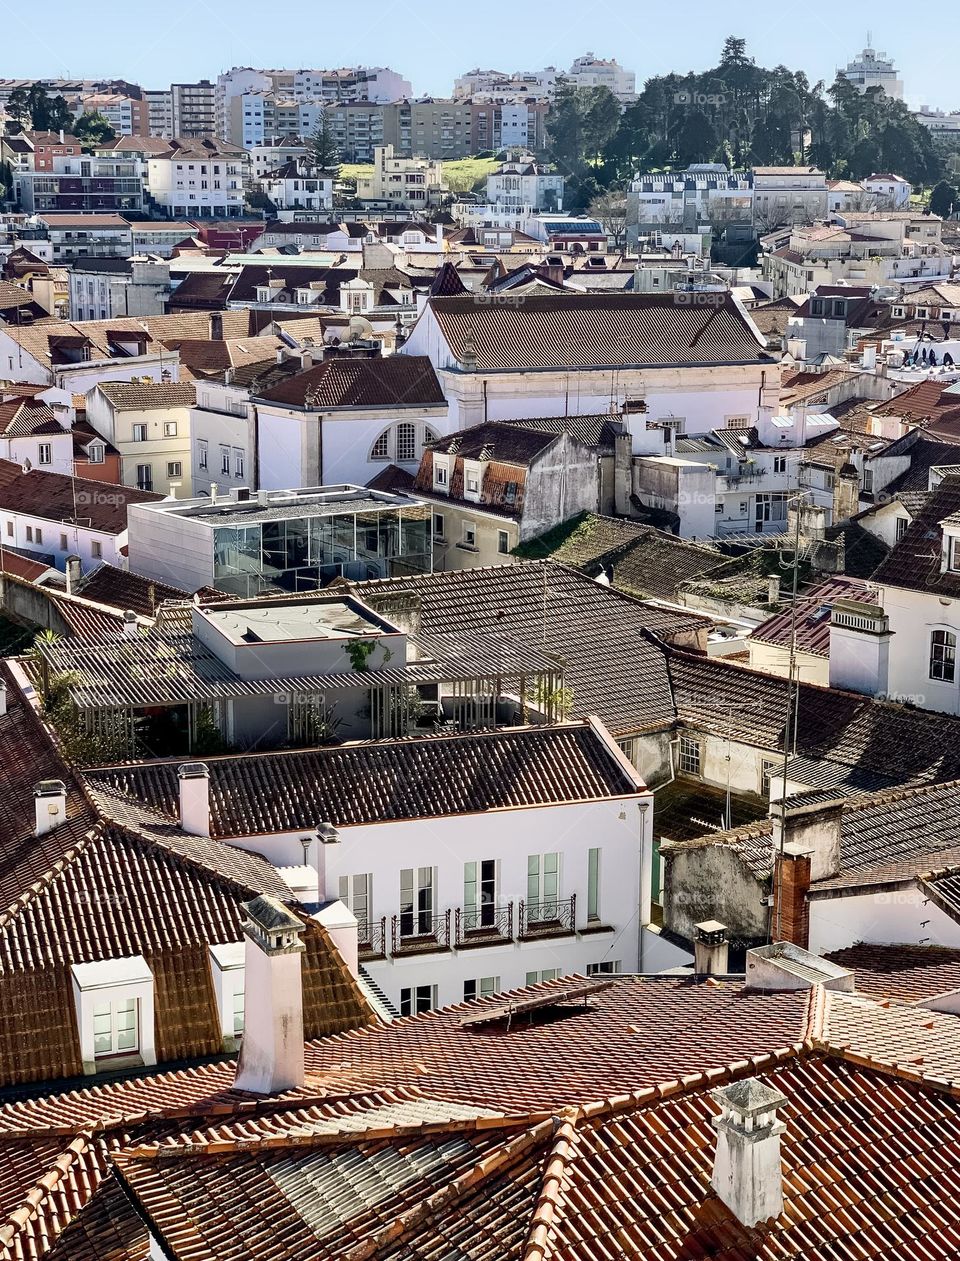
[(432, 42)]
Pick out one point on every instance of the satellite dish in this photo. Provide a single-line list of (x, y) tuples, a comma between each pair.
[(360, 329)]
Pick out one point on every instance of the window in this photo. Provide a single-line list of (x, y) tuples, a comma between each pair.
[(202, 454), (417, 999), (96, 549), (943, 656), (174, 469), (483, 987), (145, 476), (593, 885), (225, 461), (546, 974), (381, 448), (64, 543), (609, 967), (768, 768), (503, 542), (139, 433), (689, 755), (237, 1013), (473, 483), (543, 886), (438, 525), (868, 481), (406, 442), (45, 453), (115, 1027), (779, 463), (10, 529), (469, 538), (29, 533), (169, 428), (439, 474), (38, 535), (902, 524), (480, 893), (356, 892), (96, 453), (954, 544), (416, 901)]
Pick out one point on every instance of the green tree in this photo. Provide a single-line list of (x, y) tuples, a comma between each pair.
[(323, 156), (696, 139), (600, 118), (942, 199), (59, 116), (18, 109), (93, 131)]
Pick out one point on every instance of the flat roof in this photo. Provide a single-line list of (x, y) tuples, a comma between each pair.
[(279, 505), (282, 623)]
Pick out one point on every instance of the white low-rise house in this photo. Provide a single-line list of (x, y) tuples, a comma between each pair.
[(346, 419), (788, 194), (455, 878), (705, 193), (906, 648), (199, 179), (74, 357), (694, 364), (294, 187), (54, 515), (37, 433), (893, 192), (524, 183), (222, 437), (104, 288)]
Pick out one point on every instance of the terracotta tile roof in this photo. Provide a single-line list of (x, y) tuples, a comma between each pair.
[(205, 358), (842, 727), (394, 479), (126, 396), (12, 562), (805, 385), (915, 561), (611, 668), (593, 431), (20, 417), (812, 618), (123, 590), (399, 380), (903, 972), (85, 620), (492, 440), (595, 330), (916, 1040), (57, 497), (14, 298), (394, 779)]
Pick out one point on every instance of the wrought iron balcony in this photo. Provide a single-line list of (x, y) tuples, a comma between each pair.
[(545, 919), (372, 938), (483, 925), (414, 932)]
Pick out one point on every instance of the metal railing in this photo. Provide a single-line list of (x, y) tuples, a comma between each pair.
[(483, 924), (372, 938), (540, 919), (411, 931)]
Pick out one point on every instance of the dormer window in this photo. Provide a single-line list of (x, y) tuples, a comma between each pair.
[(441, 473), (953, 542)]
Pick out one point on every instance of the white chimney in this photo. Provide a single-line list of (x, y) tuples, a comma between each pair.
[(194, 780), (74, 571), (50, 796), (710, 948), (3, 698), (315, 856), (306, 360), (130, 628), (271, 1053), (213, 492), (746, 1167)]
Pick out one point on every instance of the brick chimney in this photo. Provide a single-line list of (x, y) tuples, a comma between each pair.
[(194, 781), (790, 914), (746, 1167), (271, 1053), (711, 948)]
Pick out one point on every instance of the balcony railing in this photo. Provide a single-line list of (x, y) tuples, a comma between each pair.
[(413, 932), (372, 938), (483, 925), (543, 919)]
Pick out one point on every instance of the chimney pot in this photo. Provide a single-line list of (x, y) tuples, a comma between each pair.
[(746, 1169), (194, 780), (130, 628), (3, 699), (711, 948), (50, 796)]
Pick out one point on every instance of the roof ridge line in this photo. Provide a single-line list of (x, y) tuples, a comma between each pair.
[(496, 1161), (42, 883), (889, 1068), (552, 1181), (33, 1197)]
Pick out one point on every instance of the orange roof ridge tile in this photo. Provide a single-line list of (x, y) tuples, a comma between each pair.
[(816, 1014), (20, 1216), (497, 1161), (550, 1196)]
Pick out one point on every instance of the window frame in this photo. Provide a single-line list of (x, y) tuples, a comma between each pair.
[(690, 756), (942, 653)]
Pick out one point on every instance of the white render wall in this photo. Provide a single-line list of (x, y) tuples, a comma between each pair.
[(887, 917), (913, 616), (509, 837)]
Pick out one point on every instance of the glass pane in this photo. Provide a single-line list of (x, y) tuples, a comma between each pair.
[(102, 1044), (470, 886), (593, 884)]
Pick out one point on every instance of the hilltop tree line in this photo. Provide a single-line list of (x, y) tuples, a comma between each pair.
[(739, 114), (31, 109)]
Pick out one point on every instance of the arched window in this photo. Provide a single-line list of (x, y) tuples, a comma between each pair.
[(381, 448), (406, 442), (430, 435), (943, 655)]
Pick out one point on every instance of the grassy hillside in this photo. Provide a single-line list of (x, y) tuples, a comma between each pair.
[(461, 176)]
